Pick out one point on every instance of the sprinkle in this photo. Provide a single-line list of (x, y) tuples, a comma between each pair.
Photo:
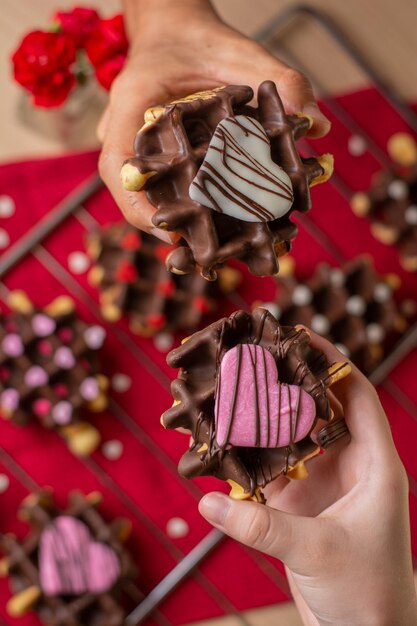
[(398, 190), (302, 295), (62, 412), (36, 376), (112, 449), (12, 345), (375, 333), (273, 308), (41, 407), (355, 305), (163, 341), (64, 358), (42, 325), (7, 206), (357, 145), (131, 241), (89, 389), (78, 262), (45, 347), (343, 349), (65, 334), (121, 382), (337, 277), (4, 239), (156, 320), (320, 324), (177, 527), (4, 483), (382, 292), (9, 399), (61, 390), (410, 215), (94, 337)]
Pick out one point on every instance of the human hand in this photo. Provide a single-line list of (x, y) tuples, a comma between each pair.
[(177, 48), (343, 533)]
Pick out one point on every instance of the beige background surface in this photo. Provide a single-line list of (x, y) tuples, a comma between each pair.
[(384, 31)]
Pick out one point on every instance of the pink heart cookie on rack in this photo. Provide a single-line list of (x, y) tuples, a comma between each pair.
[(253, 408), (72, 563)]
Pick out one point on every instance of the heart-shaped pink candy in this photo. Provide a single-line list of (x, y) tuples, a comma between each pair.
[(72, 563), (254, 409)]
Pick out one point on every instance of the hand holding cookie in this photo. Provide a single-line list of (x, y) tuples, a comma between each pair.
[(177, 49)]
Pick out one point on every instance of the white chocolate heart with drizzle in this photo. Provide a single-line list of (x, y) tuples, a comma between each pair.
[(238, 176)]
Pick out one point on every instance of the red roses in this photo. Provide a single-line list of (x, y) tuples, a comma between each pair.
[(49, 64)]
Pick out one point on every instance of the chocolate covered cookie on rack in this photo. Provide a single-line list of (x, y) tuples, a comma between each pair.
[(49, 369), (352, 306), (251, 392), (391, 201), (129, 270), (72, 568), (225, 176)]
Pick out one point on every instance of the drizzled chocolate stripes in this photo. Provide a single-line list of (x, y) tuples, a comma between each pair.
[(238, 176), (253, 408)]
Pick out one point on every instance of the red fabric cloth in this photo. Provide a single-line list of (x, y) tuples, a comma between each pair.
[(143, 485)]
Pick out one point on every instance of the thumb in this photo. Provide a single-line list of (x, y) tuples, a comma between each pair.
[(117, 129), (293, 539), (297, 95)]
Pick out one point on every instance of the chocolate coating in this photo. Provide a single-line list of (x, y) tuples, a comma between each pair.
[(195, 388), (351, 306), (172, 149), (48, 366), (391, 204), (86, 609), (129, 270)]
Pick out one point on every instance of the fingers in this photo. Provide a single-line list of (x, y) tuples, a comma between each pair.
[(117, 129), (294, 88), (293, 539), (362, 409), (297, 95)]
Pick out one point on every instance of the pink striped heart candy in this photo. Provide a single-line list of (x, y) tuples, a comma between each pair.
[(72, 563), (254, 409)]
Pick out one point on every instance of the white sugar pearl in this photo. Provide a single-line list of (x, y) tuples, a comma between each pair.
[(320, 324), (398, 190), (177, 528), (273, 308), (7, 206), (382, 292), (343, 349), (121, 382), (410, 215), (112, 449), (375, 333), (302, 295), (4, 483), (337, 277), (4, 238), (78, 262), (357, 145), (355, 305), (163, 341)]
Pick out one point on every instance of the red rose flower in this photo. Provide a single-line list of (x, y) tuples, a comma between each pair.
[(107, 48), (42, 65), (78, 23), (107, 71)]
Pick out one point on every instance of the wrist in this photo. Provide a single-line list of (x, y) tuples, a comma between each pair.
[(163, 17)]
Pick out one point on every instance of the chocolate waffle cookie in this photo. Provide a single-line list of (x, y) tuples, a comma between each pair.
[(49, 369), (225, 176), (129, 270), (391, 201), (251, 392), (351, 306), (72, 567)]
